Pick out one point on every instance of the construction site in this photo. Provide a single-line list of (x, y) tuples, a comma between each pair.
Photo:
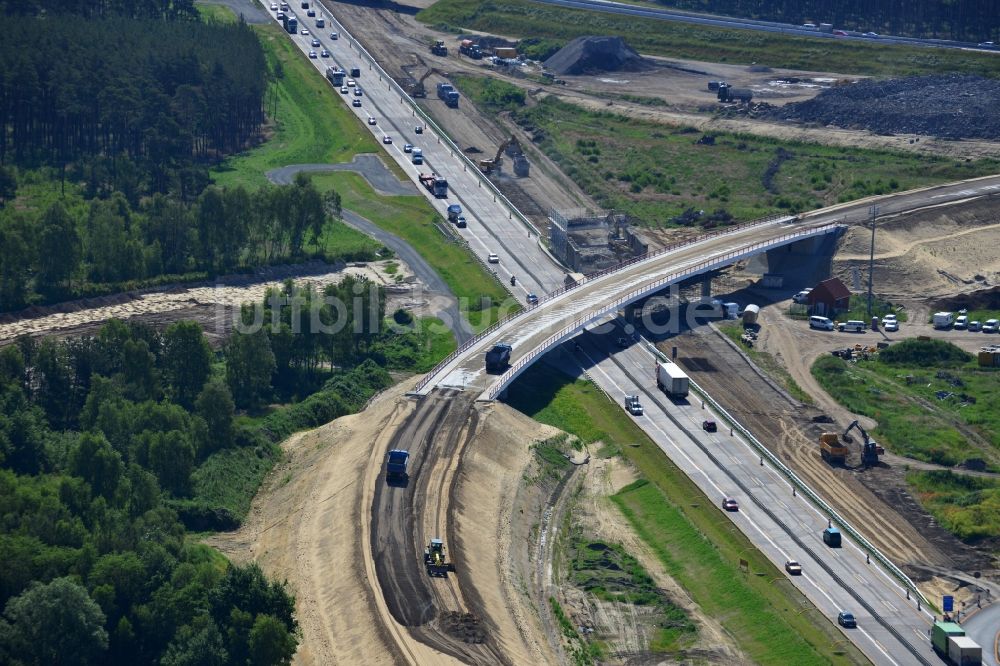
[(462, 551)]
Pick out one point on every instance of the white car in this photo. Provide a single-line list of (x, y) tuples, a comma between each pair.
[(991, 326), (961, 322), (371, 120), (351, 83), (304, 31), (315, 43), (358, 92), (975, 326), (891, 326), (344, 90), (334, 35), (386, 138), (274, 6), (493, 259)]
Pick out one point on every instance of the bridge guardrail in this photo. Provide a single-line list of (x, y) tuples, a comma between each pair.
[(621, 266), (700, 267), (804, 488)]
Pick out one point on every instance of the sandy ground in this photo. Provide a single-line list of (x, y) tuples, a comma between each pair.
[(214, 302)]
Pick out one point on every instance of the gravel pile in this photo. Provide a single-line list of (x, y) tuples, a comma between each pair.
[(593, 55), (947, 106)]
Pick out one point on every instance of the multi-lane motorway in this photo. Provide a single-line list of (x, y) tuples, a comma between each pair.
[(892, 630)]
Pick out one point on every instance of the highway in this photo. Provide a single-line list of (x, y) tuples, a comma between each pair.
[(783, 526), (832, 580), (491, 228), (654, 13)]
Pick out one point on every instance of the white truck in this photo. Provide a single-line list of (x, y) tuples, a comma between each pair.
[(944, 319), (671, 380)]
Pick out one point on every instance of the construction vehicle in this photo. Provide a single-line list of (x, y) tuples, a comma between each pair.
[(950, 642), (831, 449), (498, 358), (395, 464), (435, 184), (471, 49), (417, 89), (447, 93), (494, 164), (436, 560), (870, 449), (672, 380), (506, 52), (439, 49), (729, 94)]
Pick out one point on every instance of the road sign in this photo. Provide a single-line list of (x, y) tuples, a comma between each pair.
[(949, 603)]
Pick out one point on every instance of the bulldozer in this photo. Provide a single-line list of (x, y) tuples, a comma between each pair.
[(870, 449), (439, 49), (435, 560)]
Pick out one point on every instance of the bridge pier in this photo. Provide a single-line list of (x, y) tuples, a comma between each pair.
[(706, 290)]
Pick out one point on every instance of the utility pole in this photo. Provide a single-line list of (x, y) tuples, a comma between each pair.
[(873, 210)]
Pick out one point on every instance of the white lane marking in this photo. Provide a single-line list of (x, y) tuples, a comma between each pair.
[(596, 367)]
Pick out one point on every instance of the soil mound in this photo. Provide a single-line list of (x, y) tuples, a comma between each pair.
[(593, 55), (946, 106)]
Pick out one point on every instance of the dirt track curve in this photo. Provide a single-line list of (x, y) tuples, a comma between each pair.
[(405, 516)]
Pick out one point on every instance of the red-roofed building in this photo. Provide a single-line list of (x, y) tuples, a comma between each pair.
[(829, 297)]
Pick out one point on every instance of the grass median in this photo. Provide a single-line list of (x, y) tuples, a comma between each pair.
[(549, 27), (311, 125), (697, 546), (414, 220)]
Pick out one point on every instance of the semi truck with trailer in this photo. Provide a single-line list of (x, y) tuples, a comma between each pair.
[(435, 184), (951, 644), (672, 380)]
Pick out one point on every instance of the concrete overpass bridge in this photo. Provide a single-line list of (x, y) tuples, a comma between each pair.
[(563, 313)]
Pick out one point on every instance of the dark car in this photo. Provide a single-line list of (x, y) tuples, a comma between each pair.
[(532, 299), (729, 504), (315, 42), (356, 102), (846, 619), (418, 129), (709, 425)]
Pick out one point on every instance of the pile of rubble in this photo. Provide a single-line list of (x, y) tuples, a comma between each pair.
[(946, 106), (594, 55)]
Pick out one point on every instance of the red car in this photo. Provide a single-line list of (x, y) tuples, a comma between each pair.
[(840, 33)]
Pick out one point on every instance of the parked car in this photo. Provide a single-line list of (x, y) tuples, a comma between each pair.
[(961, 322), (975, 326), (802, 296), (793, 567), (493, 259), (891, 326), (846, 619), (991, 326), (729, 504), (709, 425)]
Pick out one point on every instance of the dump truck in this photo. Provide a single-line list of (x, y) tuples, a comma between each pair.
[(950, 642), (498, 358), (395, 464), (672, 380), (831, 537), (438, 48), (729, 94), (447, 93), (435, 559), (508, 52), (471, 49), (435, 184), (831, 449), (335, 75)]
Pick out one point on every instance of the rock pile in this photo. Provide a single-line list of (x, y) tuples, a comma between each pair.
[(946, 106), (594, 55)]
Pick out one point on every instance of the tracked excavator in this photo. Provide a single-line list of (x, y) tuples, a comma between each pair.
[(491, 165), (418, 87), (435, 560), (870, 449)]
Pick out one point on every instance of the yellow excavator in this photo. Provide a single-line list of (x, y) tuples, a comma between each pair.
[(489, 166), (835, 451)]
